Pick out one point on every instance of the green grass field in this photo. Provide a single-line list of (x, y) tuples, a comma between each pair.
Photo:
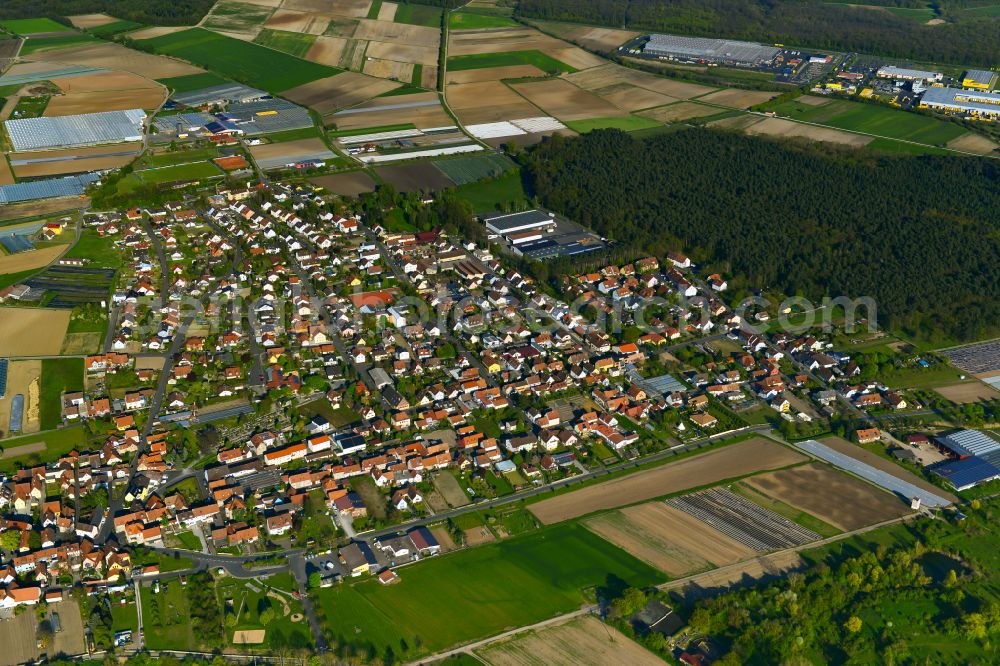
[(280, 630), (34, 44), (506, 192), (193, 81), (114, 28), (872, 119), (237, 16), (465, 170), (483, 60), (33, 26), (150, 161), (57, 444), (293, 43), (625, 123), (167, 619), (243, 61), (193, 171), (472, 20), (418, 15), (481, 591), (59, 375), (100, 250)]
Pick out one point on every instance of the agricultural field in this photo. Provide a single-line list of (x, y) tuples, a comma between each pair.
[(104, 91), (39, 447), (507, 191), (782, 128), (729, 462), (679, 112), (32, 331), (534, 58), (242, 61), (624, 123), (30, 260), (420, 110), (586, 640), (413, 14), (464, 170), (292, 43), (668, 539), (967, 392), (473, 20), (417, 177), (274, 155), (873, 120), (478, 592), (239, 17), (589, 37), (55, 43), (328, 95), (845, 502), (24, 379), (524, 41), (106, 55), (346, 184), (33, 26)]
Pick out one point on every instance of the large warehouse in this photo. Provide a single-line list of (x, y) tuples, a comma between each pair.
[(904, 74), (956, 100), (702, 49), (506, 224), (977, 458), (87, 129)]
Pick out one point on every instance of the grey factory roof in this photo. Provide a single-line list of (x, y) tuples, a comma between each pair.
[(879, 477), (966, 100), (891, 71), (257, 117), (970, 442), (710, 49), (501, 222), (227, 92), (44, 189), (980, 76), (80, 130)]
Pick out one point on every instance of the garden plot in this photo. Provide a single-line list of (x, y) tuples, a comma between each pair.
[(422, 110), (732, 461), (610, 74), (114, 56), (310, 23), (488, 102), (340, 91), (582, 641), (753, 526), (565, 101), (276, 155), (843, 501)]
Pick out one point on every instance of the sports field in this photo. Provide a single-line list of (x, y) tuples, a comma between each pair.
[(479, 592), (243, 61)]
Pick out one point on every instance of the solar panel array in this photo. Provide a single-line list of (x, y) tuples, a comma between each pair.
[(85, 129), (3, 377), (43, 189), (16, 413), (970, 442)]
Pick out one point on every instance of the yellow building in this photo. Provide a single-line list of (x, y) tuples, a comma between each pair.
[(979, 79)]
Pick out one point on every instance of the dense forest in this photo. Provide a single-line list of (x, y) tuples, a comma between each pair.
[(966, 37), (156, 12), (917, 234)]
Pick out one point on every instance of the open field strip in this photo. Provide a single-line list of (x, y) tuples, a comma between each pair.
[(735, 460)]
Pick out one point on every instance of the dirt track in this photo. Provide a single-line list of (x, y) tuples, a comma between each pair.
[(747, 457)]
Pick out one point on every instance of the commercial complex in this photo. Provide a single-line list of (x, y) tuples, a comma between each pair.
[(904, 74), (700, 49), (979, 79), (976, 458), (956, 100), (506, 224)]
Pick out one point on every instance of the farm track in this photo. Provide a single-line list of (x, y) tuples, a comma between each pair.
[(740, 519)]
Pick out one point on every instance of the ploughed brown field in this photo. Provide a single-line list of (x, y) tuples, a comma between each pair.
[(736, 460), (839, 499)]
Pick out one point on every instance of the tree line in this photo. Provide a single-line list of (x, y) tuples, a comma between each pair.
[(966, 37), (919, 235), (155, 12)]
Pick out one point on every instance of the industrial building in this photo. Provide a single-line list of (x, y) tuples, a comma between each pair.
[(87, 129), (956, 100), (222, 94), (505, 224), (979, 79), (976, 458), (719, 51), (904, 74)]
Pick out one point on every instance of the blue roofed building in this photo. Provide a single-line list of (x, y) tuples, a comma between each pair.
[(975, 458)]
